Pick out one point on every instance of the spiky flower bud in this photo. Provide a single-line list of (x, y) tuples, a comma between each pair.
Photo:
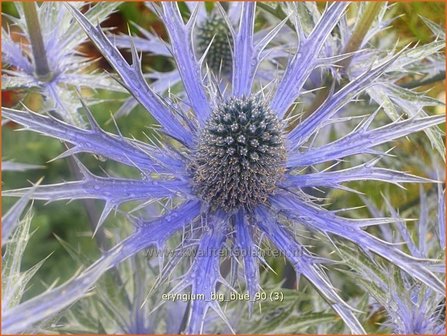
[(215, 31), (240, 156)]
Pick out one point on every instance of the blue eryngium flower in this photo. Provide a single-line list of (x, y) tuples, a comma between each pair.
[(235, 172), (411, 307), (212, 44), (49, 59)]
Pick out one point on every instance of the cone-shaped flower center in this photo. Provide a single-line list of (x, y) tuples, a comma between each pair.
[(219, 57), (240, 155)]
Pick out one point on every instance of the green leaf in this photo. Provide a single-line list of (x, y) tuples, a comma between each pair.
[(14, 281)]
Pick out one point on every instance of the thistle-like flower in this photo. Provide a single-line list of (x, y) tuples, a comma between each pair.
[(232, 170), (212, 43), (47, 58), (411, 307)]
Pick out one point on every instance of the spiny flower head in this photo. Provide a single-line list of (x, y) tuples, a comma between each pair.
[(214, 38), (411, 307), (49, 57), (230, 173), (240, 155)]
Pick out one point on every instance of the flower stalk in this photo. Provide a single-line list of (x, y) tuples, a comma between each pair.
[(360, 30), (42, 68)]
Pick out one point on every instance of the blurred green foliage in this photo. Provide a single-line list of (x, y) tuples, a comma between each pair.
[(410, 24)]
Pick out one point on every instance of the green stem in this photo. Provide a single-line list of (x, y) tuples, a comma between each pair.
[(414, 84), (360, 30), (35, 35)]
